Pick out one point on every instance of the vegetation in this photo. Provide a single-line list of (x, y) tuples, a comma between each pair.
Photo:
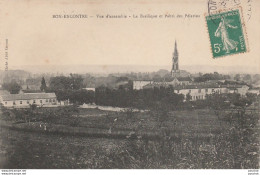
[(221, 131), (43, 85), (74, 82), (181, 142), (13, 87), (210, 76), (142, 99)]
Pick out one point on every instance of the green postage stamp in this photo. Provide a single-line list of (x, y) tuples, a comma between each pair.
[(227, 34)]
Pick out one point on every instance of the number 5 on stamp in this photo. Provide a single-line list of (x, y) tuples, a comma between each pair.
[(226, 33)]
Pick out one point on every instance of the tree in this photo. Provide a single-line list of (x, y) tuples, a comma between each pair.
[(188, 97), (13, 87), (256, 77), (247, 77), (74, 82), (43, 84), (237, 77), (157, 77)]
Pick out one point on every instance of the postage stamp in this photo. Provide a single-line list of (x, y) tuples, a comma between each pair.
[(226, 32)]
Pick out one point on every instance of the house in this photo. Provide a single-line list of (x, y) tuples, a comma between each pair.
[(254, 91), (157, 85), (199, 92), (4, 92), (90, 89), (240, 89), (184, 80), (25, 99), (137, 85)]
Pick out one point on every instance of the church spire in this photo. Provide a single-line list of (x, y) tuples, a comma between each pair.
[(175, 49), (175, 61)]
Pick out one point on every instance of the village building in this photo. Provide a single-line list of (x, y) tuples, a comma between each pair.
[(185, 85), (157, 85), (240, 89), (199, 92), (175, 72), (254, 91), (137, 85), (90, 89), (3, 92), (26, 99), (181, 81)]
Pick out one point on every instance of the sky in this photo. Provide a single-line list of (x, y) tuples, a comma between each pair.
[(36, 38)]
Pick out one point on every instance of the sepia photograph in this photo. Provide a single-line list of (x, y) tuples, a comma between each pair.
[(134, 84)]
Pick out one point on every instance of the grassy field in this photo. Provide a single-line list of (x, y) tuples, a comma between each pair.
[(19, 149), (201, 121)]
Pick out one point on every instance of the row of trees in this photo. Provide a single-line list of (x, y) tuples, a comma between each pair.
[(14, 88), (210, 76), (145, 98), (122, 97), (73, 82), (149, 98)]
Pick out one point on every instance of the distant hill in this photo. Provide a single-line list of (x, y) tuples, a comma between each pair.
[(19, 75), (107, 69)]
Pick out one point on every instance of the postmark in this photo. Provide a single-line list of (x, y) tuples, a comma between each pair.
[(217, 5), (226, 33)]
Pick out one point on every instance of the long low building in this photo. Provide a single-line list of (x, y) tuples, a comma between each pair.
[(25, 99), (199, 92)]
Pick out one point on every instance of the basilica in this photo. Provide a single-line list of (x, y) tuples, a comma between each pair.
[(183, 83)]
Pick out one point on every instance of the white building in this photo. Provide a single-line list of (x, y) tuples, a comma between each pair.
[(24, 100), (254, 91), (137, 85), (240, 89), (90, 89), (199, 92)]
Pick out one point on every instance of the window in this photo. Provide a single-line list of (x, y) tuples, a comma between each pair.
[(13, 102), (53, 100), (213, 90), (34, 101), (46, 100), (21, 102), (40, 101), (28, 101), (178, 91), (6, 103)]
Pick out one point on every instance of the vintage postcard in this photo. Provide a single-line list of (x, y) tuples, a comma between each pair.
[(134, 84)]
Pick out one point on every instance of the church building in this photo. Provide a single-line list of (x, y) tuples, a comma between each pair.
[(175, 63)]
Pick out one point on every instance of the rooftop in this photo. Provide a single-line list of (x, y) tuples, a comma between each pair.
[(184, 78), (4, 92), (28, 96)]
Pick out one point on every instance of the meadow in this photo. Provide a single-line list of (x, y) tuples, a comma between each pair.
[(185, 139)]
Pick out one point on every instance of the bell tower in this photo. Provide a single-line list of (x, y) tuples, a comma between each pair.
[(175, 62)]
